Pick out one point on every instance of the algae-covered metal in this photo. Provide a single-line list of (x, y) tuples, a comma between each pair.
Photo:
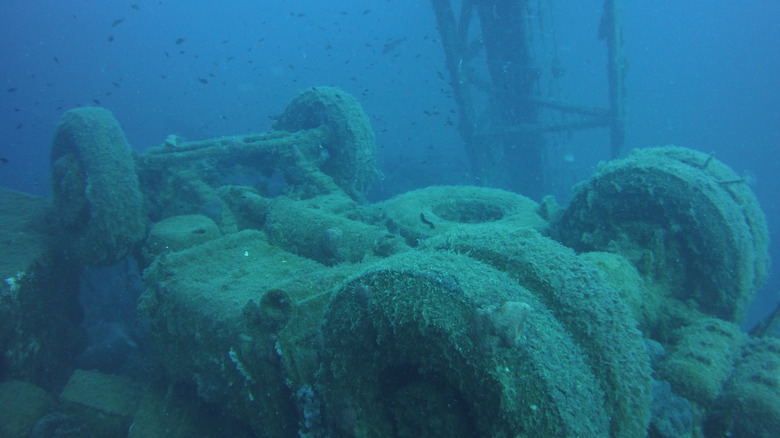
[(296, 309)]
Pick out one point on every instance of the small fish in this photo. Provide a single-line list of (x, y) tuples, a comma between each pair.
[(426, 221), (367, 11), (391, 45), (115, 84), (110, 38), (11, 90), (97, 102), (117, 22), (4, 160), (56, 60), (135, 6), (203, 81), (180, 40)]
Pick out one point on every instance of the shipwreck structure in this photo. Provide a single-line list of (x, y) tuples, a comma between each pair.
[(504, 119), (279, 304)]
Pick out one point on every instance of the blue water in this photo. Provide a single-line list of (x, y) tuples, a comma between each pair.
[(701, 74)]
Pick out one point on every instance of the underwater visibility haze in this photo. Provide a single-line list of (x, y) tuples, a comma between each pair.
[(454, 218)]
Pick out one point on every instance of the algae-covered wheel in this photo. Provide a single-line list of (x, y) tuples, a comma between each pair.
[(98, 201), (431, 211), (347, 151), (588, 308), (749, 404), (686, 220), (444, 345)]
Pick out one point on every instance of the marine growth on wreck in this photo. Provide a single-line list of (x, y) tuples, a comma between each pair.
[(283, 305)]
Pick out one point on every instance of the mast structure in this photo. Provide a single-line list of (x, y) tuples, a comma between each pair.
[(501, 117)]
